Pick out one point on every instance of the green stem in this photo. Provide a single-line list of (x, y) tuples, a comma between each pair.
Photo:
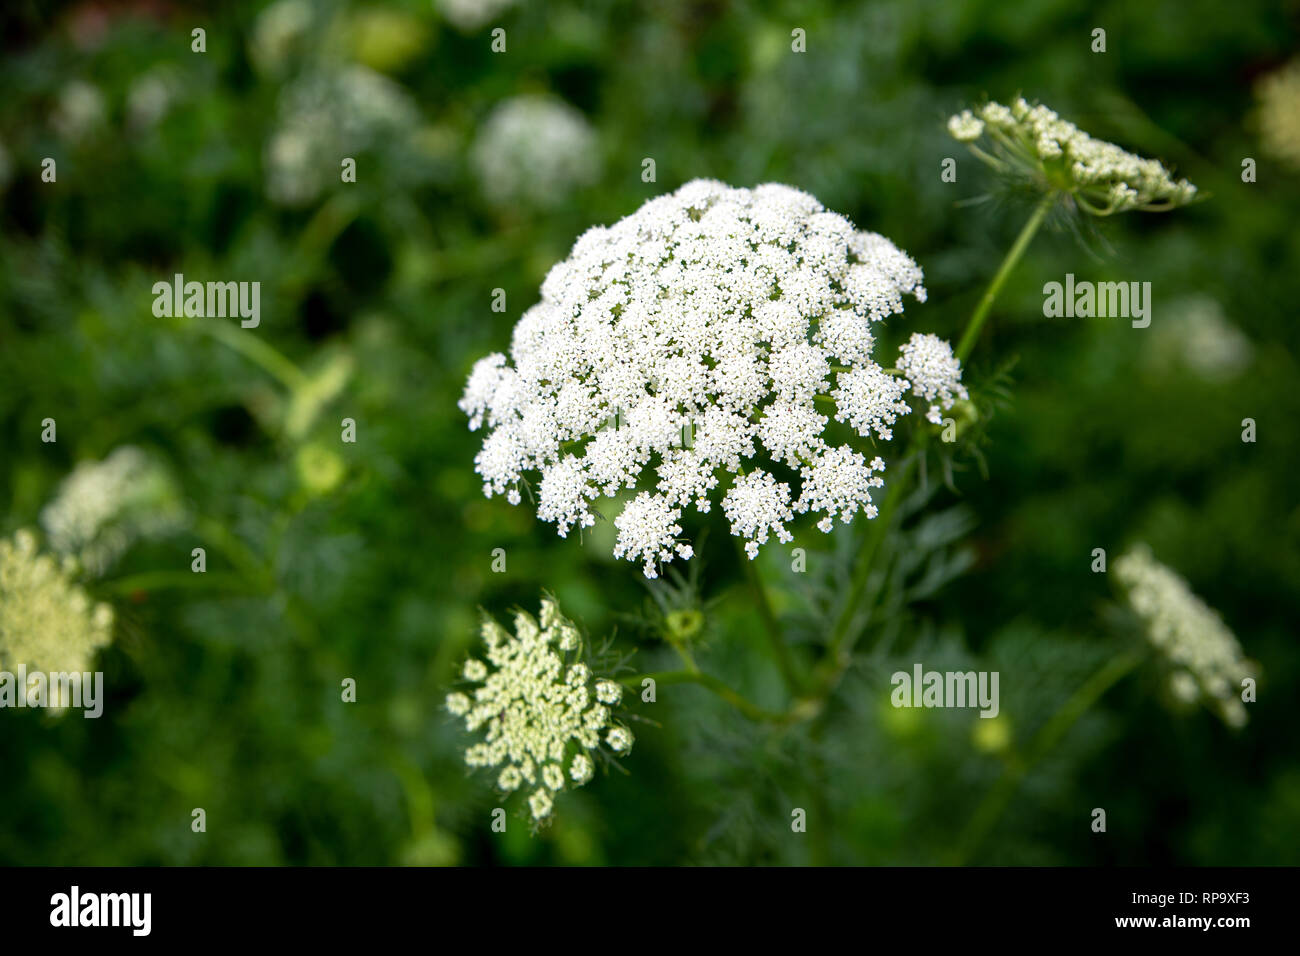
[(166, 580), (1017, 250), (995, 802), (239, 554), (709, 682), (842, 638), (258, 351), (784, 662)]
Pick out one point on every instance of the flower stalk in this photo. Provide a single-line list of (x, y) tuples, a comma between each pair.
[(1013, 256)]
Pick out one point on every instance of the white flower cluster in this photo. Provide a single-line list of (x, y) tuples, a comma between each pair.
[(1102, 177), (541, 707), (327, 115), (151, 96), (700, 331), (467, 15), (933, 372), (1207, 660), (1200, 338), (534, 150), (1278, 114), (104, 506), (80, 112), (47, 622)]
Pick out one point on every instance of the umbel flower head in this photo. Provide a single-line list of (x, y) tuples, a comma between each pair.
[(103, 506), (1032, 142), (534, 150), (47, 622), (336, 112), (542, 710), (1206, 660), (701, 346)]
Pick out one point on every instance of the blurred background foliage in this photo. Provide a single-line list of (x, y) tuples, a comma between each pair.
[(370, 560)]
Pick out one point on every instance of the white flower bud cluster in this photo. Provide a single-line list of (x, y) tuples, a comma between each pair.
[(701, 331), (102, 507), (539, 705), (534, 150), (1103, 178), (1207, 660), (47, 622)]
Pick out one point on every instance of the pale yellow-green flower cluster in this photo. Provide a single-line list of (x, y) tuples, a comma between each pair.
[(1278, 116), (1208, 664), (47, 622), (542, 709), (1103, 179)]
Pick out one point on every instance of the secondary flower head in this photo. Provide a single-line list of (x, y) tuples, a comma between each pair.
[(103, 506), (1278, 115), (1031, 141), (336, 113), (80, 112), (47, 622), (1200, 339), (701, 346), (1207, 661), (279, 33), (540, 707), (934, 373), (534, 150)]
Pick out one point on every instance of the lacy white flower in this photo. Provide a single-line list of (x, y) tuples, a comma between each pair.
[(103, 506), (539, 706), (1278, 113), (703, 343), (47, 622), (933, 372), (327, 115), (534, 150), (1203, 653), (1101, 177), (467, 15)]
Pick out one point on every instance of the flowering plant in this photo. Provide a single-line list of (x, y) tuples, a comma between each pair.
[(719, 345)]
